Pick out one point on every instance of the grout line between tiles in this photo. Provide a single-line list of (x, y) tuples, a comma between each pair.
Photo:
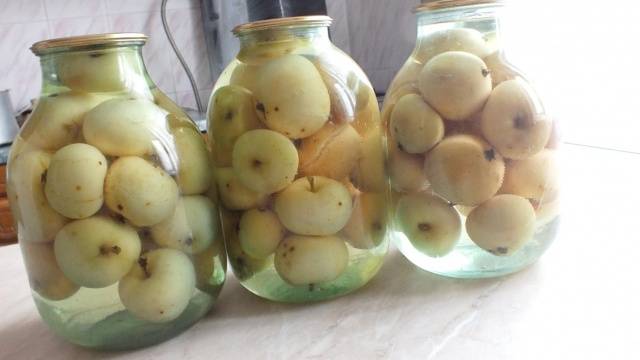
[(151, 11), (105, 21), (107, 15), (174, 76), (22, 22), (25, 22), (106, 6), (108, 11), (46, 16)]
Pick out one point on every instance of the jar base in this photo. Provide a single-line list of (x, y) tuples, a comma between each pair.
[(111, 327), (269, 285), (468, 261)]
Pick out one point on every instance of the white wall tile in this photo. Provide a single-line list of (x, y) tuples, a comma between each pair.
[(25, 22), (20, 72), (158, 56), (186, 27), (17, 11), (60, 9), (128, 6), (377, 34), (78, 26), (186, 99), (205, 95)]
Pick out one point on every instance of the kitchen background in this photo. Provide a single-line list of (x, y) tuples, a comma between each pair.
[(23, 22), (578, 54)]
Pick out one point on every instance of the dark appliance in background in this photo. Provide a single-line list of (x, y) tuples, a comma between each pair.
[(271, 9)]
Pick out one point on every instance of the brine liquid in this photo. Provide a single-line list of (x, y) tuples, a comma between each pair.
[(95, 318), (467, 260), (363, 265)]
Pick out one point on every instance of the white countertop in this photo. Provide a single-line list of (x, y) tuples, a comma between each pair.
[(580, 301)]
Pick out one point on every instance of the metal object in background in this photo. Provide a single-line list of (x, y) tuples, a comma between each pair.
[(269, 9), (167, 31), (8, 124), (212, 34)]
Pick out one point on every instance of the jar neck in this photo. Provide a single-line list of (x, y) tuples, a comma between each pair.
[(316, 35), (124, 63), (484, 18)]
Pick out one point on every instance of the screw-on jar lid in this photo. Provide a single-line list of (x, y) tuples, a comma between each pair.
[(73, 42), (443, 4), (296, 21)]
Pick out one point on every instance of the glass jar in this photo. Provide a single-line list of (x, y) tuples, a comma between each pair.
[(295, 135), (472, 151), (109, 183), (7, 228)]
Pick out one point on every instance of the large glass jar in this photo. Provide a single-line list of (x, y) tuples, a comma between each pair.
[(109, 183), (295, 135), (472, 151)]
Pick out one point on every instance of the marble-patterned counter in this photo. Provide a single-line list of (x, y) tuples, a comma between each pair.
[(579, 302)]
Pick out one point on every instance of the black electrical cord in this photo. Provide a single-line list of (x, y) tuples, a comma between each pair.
[(167, 31)]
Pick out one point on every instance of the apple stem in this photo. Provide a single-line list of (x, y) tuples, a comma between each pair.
[(142, 261), (312, 183)]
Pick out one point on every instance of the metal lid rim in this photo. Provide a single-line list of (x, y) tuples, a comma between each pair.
[(444, 4), (49, 45), (310, 20)]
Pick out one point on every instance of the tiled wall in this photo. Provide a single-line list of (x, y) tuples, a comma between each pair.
[(379, 34), (23, 22)]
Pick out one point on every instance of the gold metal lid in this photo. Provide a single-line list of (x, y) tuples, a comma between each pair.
[(66, 43), (296, 21), (443, 4)]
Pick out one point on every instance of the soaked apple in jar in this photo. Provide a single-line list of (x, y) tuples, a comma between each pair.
[(472, 150), (296, 139)]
